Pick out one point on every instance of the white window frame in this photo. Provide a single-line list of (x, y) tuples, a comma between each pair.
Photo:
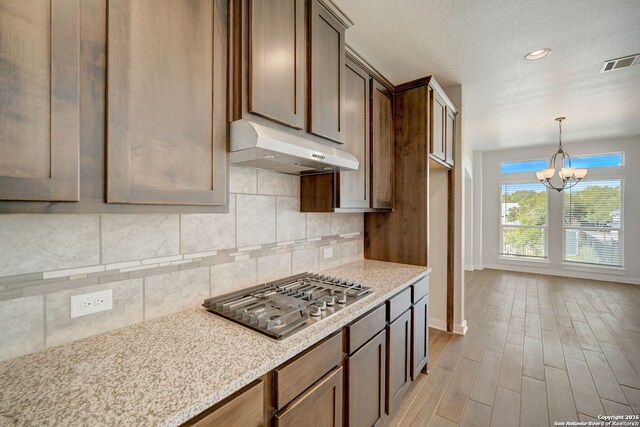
[(507, 257), (604, 168), (510, 174), (586, 265)]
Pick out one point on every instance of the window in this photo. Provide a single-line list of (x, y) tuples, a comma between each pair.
[(523, 223), (524, 166), (596, 161), (593, 223)]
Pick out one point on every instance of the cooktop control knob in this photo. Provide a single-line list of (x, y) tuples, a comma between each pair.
[(315, 311), (322, 304), (342, 299), (331, 300)]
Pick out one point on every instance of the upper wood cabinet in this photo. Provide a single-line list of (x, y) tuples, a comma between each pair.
[(166, 102), (443, 124), (354, 187), (449, 135), (420, 108), (277, 56), (382, 150), (438, 113), (39, 100), (327, 74), (368, 136)]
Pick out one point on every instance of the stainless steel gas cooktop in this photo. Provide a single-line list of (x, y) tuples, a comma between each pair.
[(283, 307)]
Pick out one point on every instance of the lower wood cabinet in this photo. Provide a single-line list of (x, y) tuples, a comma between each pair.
[(398, 359), (243, 409), (321, 405), (366, 378), (420, 335)]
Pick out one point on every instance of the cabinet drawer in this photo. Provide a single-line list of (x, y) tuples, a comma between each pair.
[(319, 406), (244, 409), (363, 329), (419, 289), (299, 374), (398, 305)]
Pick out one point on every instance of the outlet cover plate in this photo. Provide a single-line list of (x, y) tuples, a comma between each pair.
[(95, 302), (327, 252)]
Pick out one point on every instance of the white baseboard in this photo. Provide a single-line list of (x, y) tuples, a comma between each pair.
[(563, 273), (438, 324), (460, 329)]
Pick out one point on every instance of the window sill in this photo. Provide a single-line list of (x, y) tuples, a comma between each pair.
[(509, 260), (620, 271)]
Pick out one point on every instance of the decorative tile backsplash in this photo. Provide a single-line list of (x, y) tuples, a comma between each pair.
[(158, 264)]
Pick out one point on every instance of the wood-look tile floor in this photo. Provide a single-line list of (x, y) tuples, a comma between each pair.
[(539, 349)]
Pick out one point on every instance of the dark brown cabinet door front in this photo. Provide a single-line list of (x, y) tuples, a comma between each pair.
[(320, 405), (366, 377), (420, 324), (326, 85), (398, 359), (277, 60), (450, 132), (437, 126), (39, 100), (166, 109), (244, 409), (354, 186), (381, 147)]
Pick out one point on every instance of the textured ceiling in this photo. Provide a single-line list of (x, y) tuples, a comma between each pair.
[(507, 101)]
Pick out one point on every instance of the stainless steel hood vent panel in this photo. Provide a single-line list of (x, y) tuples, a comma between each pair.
[(259, 146)]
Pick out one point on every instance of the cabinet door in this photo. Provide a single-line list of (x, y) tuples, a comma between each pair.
[(398, 359), (39, 100), (420, 334), (277, 60), (437, 126), (382, 156), (450, 132), (244, 409), (166, 91), (366, 377), (326, 115), (354, 186), (320, 406)]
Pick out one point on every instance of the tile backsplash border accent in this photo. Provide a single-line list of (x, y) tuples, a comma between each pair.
[(34, 284)]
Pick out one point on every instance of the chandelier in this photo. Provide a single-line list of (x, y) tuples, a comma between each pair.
[(569, 176)]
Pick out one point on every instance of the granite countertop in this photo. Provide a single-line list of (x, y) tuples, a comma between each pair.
[(167, 370)]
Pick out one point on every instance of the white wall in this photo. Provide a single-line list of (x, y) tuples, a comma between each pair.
[(477, 210), (438, 219), (468, 221), (490, 219)]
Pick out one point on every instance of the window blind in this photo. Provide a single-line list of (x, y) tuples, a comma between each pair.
[(593, 222)]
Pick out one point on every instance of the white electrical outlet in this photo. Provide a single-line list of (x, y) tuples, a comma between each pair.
[(327, 252), (95, 302)]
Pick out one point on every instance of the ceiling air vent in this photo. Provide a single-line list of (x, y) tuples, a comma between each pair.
[(624, 62)]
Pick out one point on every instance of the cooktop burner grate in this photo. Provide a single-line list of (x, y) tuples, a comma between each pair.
[(283, 306)]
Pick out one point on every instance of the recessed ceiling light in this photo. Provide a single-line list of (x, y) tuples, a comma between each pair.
[(537, 54)]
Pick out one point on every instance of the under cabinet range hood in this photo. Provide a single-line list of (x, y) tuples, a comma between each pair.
[(263, 147)]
